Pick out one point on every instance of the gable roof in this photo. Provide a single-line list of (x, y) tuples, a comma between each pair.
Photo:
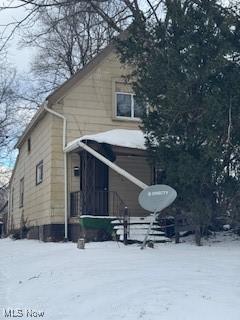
[(61, 91)]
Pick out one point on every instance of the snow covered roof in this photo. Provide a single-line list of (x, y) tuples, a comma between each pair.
[(116, 137)]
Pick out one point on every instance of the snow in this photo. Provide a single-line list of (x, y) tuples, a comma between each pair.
[(117, 137), (108, 281), (226, 227), (141, 232), (138, 220), (5, 174), (97, 217), (140, 237), (139, 226)]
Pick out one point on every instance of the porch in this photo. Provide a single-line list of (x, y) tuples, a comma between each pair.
[(94, 188), (97, 191)]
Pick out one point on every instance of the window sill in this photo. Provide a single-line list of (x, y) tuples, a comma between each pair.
[(128, 119)]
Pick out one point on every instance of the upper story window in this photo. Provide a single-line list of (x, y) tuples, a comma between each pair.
[(21, 193), (127, 107), (29, 145), (39, 173)]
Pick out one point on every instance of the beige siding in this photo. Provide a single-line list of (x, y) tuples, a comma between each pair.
[(36, 208), (57, 170)]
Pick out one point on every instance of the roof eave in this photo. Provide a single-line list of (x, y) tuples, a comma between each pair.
[(60, 92), (38, 115)]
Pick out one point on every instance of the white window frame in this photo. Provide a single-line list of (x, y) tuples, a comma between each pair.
[(132, 118)]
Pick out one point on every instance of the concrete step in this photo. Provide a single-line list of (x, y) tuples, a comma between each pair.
[(137, 229), (138, 226), (140, 238), (136, 220), (139, 232)]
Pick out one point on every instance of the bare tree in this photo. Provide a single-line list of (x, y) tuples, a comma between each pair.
[(65, 40), (7, 103), (14, 112), (111, 12), (68, 34)]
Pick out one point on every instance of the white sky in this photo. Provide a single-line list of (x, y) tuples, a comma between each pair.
[(19, 57)]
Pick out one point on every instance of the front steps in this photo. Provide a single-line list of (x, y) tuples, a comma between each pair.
[(137, 230)]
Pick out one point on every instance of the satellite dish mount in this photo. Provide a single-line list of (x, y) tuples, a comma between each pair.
[(154, 199)]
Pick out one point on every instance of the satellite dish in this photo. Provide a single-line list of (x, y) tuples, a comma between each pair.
[(157, 197)]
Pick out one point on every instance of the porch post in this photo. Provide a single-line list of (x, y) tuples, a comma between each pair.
[(125, 226)]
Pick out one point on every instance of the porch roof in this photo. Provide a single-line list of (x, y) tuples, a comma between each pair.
[(117, 137)]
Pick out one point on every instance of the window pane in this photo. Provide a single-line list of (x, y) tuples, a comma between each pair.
[(123, 105), (21, 196), (39, 173), (39, 179), (138, 109)]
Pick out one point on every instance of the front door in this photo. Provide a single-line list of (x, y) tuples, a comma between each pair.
[(94, 185)]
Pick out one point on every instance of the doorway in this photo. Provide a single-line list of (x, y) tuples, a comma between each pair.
[(93, 185)]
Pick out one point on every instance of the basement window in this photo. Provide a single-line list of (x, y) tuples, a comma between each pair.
[(39, 173)]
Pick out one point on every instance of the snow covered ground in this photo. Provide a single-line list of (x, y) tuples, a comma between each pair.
[(108, 281)]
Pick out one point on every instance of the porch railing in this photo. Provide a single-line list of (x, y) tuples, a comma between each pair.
[(75, 204), (102, 203)]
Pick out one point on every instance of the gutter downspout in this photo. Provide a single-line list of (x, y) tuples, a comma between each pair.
[(8, 214), (110, 164), (65, 167)]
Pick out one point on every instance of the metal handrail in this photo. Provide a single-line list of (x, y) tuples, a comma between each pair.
[(104, 202)]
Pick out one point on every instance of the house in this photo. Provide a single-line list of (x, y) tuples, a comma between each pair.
[(56, 180)]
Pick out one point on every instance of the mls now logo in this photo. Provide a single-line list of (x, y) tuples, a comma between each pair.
[(19, 313)]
